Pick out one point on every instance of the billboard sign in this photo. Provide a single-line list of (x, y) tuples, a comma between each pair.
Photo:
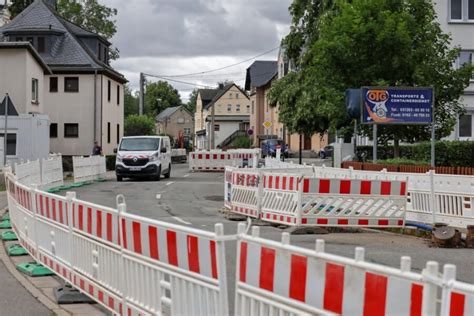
[(390, 105)]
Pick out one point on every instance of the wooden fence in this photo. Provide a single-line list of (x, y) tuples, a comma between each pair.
[(407, 168)]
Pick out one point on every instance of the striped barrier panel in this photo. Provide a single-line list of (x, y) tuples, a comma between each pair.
[(246, 192), (193, 259), (28, 172), (298, 201), (275, 278), (209, 161), (457, 297)]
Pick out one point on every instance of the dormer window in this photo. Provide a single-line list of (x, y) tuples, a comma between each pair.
[(41, 45)]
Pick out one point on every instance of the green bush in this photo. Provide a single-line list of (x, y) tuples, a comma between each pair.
[(241, 142), (138, 125), (448, 153)]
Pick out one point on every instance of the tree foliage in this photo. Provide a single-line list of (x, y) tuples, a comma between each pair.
[(89, 14), (92, 16), (159, 96), (349, 44), (131, 102), (136, 125), (191, 105)]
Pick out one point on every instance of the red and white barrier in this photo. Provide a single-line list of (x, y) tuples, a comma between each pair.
[(210, 161), (246, 192), (277, 278)]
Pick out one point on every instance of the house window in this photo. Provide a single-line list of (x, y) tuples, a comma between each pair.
[(108, 90), (230, 95), (217, 127), (53, 130), (108, 132), (34, 90), (187, 131), (41, 45), (11, 143), (248, 108), (71, 130), (118, 133), (237, 108), (466, 57), (100, 52), (180, 120), (470, 10), (71, 84), (456, 9), (118, 94), (53, 84), (465, 126), (106, 55), (253, 106), (229, 107), (236, 95)]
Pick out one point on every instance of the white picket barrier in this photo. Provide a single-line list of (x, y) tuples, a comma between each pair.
[(52, 171), (276, 278), (88, 169), (246, 157), (246, 192), (28, 172)]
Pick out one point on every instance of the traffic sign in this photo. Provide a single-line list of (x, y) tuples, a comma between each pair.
[(267, 124), (250, 132)]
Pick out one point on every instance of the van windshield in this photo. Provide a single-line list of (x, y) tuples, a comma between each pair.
[(140, 144)]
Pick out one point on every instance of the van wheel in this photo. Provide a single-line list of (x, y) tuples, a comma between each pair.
[(119, 178), (168, 173), (158, 175)]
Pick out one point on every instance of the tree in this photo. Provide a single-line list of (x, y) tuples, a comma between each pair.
[(17, 6), (191, 105), (363, 43), (93, 17), (136, 125), (159, 96), (131, 102)]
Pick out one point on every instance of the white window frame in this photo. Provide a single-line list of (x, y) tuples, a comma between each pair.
[(458, 61), (34, 90), (229, 107), (16, 144), (459, 128), (237, 108), (464, 13)]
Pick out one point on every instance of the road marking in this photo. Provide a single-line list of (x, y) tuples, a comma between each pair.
[(186, 175), (169, 183), (158, 196), (181, 220)]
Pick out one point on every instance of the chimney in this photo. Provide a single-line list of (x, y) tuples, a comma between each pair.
[(221, 86), (51, 3)]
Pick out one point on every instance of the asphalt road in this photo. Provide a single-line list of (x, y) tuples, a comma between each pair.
[(193, 199)]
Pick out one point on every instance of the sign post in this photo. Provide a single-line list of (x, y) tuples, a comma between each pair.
[(398, 105)]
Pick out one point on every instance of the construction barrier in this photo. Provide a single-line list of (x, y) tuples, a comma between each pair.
[(28, 172), (52, 171), (275, 278), (129, 264), (216, 160), (246, 191), (228, 187), (87, 169), (137, 266)]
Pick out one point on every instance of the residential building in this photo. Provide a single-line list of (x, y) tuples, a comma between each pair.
[(23, 72), (4, 12), (83, 94), (175, 121), (229, 107), (457, 18), (258, 81)]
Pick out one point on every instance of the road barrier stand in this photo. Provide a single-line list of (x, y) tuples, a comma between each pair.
[(228, 187)]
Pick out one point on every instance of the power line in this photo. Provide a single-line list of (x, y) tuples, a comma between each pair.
[(178, 81), (221, 68)]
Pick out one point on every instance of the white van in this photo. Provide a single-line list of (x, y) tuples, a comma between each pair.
[(143, 156)]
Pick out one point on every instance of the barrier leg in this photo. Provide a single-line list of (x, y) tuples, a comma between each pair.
[(430, 289), (449, 276)]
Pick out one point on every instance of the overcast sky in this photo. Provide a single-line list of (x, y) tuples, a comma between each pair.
[(172, 37)]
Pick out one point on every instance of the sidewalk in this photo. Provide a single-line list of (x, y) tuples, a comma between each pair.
[(14, 298)]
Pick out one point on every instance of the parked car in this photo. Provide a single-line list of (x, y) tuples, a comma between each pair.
[(143, 156), (269, 147), (326, 152)]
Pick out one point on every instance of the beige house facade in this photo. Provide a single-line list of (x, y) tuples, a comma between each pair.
[(175, 121), (82, 94), (230, 106)]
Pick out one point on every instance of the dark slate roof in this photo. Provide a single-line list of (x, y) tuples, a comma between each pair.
[(68, 52), (260, 73), (229, 118), (207, 95), (166, 113)]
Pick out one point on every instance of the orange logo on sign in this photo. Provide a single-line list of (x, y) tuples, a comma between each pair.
[(377, 95)]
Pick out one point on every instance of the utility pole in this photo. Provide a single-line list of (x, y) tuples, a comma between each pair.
[(301, 149), (213, 132), (142, 93)]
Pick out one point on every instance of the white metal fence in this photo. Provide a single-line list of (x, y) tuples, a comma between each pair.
[(52, 171)]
